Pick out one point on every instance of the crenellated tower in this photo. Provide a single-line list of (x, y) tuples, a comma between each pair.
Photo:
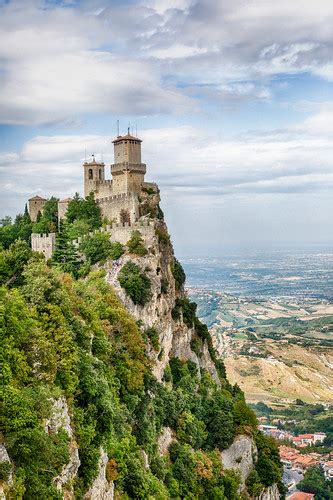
[(127, 171)]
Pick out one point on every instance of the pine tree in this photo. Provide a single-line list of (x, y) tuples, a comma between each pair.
[(65, 254)]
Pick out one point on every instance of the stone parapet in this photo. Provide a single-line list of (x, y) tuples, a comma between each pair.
[(43, 243), (118, 168)]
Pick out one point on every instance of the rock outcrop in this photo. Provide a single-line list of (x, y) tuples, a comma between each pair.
[(174, 335), (240, 456), (101, 488)]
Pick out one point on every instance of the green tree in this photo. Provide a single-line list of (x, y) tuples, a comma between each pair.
[(178, 274), (12, 262), (65, 255), (47, 222), (314, 482), (135, 244), (84, 209), (98, 248), (136, 284)]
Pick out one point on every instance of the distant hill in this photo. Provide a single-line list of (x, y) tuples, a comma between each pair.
[(274, 349)]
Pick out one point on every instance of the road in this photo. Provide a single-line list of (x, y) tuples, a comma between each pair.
[(291, 476)]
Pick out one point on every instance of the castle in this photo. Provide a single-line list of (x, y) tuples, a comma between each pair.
[(118, 198)]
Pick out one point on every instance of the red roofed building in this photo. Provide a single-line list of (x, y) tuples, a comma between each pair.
[(300, 495)]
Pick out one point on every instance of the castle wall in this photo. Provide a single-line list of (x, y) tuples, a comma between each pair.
[(123, 232), (103, 189), (43, 243), (112, 206)]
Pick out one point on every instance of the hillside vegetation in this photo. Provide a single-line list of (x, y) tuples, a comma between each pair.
[(66, 337)]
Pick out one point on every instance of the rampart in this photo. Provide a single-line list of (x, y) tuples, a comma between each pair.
[(123, 232), (43, 243), (112, 206)]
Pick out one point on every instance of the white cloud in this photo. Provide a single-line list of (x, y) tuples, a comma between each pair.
[(105, 57)]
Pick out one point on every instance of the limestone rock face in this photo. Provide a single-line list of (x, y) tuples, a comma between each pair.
[(4, 457), (60, 419), (271, 493), (174, 336), (241, 456), (101, 488), (164, 440)]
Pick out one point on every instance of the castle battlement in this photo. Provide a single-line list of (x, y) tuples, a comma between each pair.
[(43, 243), (104, 182), (115, 197)]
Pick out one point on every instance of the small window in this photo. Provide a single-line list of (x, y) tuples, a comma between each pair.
[(90, 174), (100, 174)]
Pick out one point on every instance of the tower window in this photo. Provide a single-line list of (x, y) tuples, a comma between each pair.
[(90, 173), (100, 174)]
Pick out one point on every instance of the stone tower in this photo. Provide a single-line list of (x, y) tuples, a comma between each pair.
[(94, 174), (35, 206), (127, 171)]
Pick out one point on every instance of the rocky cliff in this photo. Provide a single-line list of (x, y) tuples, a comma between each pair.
[(119, 390)]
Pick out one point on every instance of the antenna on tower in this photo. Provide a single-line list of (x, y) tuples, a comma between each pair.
[(102, 156), (85, 155), (117, 128), (128, 128)]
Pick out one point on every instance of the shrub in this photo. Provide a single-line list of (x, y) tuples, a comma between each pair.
[(179, 274), (98, 248), (153, 337), (135, 283), (48, 221), (84, 209), (135, 244), (5, 469), (162, 235)]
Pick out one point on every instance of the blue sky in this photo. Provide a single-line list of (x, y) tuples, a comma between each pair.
[(234, 102)]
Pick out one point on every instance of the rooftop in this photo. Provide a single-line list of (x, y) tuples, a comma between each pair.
[(128, 136), (37, 198), (300, 495)]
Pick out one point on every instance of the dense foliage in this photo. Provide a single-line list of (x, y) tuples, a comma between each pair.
[(47, 222), (178, 274), (98, 248), (11, 231), (135, 282), (84, 210), (135, 244), (314, 482), (71, 338)]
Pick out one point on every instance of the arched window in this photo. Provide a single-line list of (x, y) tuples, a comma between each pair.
[(100, 174), (90, 174)]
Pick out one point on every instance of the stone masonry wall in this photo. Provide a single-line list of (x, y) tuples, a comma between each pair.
[(112, 206), (43, 243)]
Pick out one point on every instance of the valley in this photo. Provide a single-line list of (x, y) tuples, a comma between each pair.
[(277, 349)]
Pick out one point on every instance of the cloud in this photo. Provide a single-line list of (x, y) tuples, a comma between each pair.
[(52, 69), (195, 163), (153, 57)]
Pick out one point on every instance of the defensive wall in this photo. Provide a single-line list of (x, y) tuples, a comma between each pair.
[(43, 243)]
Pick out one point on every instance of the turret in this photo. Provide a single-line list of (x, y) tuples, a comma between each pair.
[(127, 171), (94, 172)]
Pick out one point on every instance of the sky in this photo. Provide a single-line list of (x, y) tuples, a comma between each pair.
[(233, 101)]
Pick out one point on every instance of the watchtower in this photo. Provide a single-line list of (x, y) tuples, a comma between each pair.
[(35, 206), (127, 171), (94, 173)]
